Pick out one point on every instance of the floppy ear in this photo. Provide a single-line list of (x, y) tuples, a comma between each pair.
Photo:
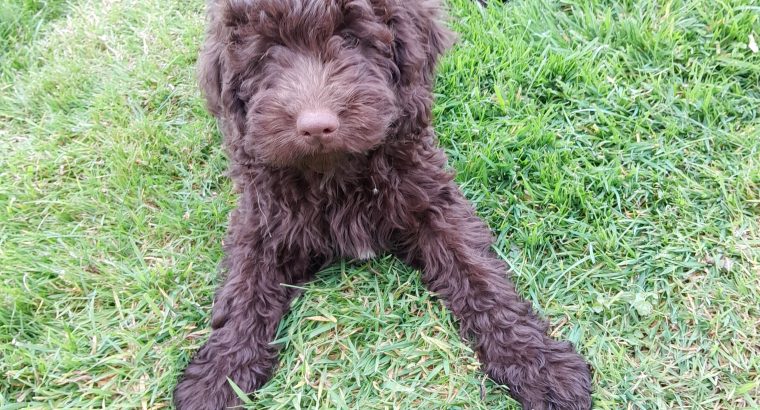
[(210, 74), (420, 38), (219, 74)]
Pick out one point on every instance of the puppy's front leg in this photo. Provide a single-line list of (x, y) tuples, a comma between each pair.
[(452, 248), (246, 312)]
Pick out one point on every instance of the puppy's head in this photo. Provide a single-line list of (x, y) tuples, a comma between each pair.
[(307, 83)]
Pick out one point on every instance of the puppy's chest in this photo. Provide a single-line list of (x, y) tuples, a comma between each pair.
[(354, 228)]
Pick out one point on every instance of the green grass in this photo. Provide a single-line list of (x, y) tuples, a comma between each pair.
[(20, 24), (613, 147)]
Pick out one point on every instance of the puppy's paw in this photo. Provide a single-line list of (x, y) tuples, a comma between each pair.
[(202, 389), (557, 380), (568, 379)]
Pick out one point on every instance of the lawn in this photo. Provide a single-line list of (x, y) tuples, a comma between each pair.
[(612, 146)]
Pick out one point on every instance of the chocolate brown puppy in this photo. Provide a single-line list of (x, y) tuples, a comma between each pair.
[(325, 107)]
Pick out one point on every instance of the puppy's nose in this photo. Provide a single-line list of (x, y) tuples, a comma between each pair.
[(318, 124)]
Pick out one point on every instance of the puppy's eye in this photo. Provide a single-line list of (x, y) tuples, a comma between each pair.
[(350, 40)]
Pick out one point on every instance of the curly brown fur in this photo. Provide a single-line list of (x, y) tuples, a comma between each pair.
[(373, 184)]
